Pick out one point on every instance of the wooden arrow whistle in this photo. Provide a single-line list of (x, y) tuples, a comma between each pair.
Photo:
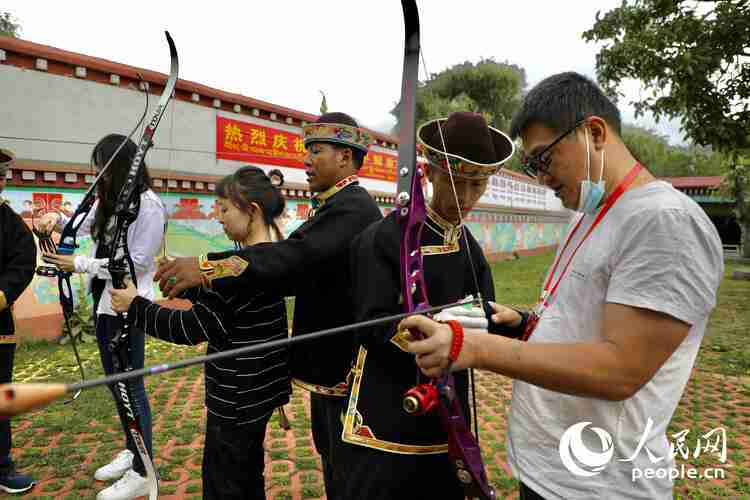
[(22, 398)]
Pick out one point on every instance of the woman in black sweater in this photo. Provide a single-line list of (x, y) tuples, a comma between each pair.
[(242, 391)]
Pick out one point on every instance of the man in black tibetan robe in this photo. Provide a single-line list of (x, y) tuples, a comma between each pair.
[(388, 453), (17, 264), (312, 264)]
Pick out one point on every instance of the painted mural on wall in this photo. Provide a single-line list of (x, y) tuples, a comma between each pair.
[(507, 237), (193, 230)]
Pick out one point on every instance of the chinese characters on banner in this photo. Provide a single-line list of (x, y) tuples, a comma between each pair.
[(252, 143), (506, 190), (248, 142)]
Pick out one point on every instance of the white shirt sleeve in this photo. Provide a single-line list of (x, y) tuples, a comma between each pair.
[(146, 234), (95, 267), (149, 228), (668, 261)]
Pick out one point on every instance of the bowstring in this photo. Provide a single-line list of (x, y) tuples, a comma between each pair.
[(453, 190), (465, 237)]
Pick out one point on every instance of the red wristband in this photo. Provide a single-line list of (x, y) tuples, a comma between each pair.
[(457, 341)]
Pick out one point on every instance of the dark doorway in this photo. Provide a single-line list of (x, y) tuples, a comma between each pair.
[(729, 230)]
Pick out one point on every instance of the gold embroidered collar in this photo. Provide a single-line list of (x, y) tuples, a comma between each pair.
[(451, 234), (321, 198)]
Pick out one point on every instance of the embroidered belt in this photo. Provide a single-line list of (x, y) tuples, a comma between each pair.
[(339, 390)]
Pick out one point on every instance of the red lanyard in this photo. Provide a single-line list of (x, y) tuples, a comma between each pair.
[(608, 203)]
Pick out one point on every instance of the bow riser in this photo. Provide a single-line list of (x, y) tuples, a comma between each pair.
[(412, 217)]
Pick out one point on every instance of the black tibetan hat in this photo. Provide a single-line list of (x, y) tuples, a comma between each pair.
[(469, 146), (337, 128)]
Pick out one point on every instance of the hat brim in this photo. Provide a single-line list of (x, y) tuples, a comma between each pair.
[(338, 142), (429, 136)]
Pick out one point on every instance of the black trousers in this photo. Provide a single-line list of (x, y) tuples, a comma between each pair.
[(325, 416), (7, 353), (526, 493), (233, 460), (371, 474)]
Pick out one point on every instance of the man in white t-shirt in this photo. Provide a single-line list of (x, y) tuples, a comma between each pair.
[(623, 309)]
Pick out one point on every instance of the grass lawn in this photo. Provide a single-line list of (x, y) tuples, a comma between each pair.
[(63, 444)]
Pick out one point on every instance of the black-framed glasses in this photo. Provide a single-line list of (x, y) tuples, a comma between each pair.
[(540, 162)]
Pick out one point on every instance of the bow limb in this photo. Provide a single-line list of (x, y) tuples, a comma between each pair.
[(463, 449), (120, 264), (409, 197)]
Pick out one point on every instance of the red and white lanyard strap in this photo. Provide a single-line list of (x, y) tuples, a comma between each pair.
[(549, 292)]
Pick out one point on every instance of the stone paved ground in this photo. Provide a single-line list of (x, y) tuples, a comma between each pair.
[(63, 445)]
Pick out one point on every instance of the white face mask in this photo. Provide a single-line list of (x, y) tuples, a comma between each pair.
[(592, 193)]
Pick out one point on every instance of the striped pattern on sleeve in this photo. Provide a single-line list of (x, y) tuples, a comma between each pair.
[(240, 389)]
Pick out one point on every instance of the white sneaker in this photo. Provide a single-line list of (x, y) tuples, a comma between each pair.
[(116, 468), (129, 486)]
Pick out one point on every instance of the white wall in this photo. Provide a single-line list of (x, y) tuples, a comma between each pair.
[(52, 107), (60, 108)]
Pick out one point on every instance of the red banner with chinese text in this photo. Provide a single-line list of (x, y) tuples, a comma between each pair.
[(252, 143), (379, 166)]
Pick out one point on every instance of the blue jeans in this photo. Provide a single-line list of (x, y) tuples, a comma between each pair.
[(106, 327)]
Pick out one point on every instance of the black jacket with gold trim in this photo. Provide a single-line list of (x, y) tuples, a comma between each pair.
[(17, 264), (384, 371), (313, 265)]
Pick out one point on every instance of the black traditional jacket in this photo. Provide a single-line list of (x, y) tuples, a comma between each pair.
[(384, 371), (313, 265), (17, 265)]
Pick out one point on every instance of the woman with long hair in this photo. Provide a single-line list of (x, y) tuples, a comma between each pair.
[(241, 391), (145, 238)]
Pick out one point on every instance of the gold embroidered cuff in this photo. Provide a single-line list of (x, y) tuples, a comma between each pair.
[(3, 301), (205, 268), (401, 338), (231, 267)]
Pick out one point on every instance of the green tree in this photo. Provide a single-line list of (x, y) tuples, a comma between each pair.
[(692, 58), (737, 185), (8, 26), (488, 87), (666, 160)]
